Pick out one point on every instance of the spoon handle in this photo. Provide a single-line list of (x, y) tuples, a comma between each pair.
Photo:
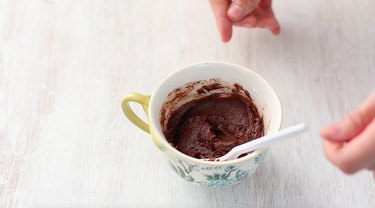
[(264, 141)]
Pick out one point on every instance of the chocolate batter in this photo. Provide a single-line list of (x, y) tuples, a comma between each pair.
[(211, 126)]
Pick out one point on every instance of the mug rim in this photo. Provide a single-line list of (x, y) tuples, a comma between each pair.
[(162, 139)]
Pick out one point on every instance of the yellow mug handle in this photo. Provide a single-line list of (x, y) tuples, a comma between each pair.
[(143, 100)]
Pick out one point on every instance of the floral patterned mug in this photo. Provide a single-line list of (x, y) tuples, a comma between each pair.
[(196, 171)]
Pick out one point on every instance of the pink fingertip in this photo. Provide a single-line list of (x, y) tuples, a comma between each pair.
[(235, 12), (330, 132)]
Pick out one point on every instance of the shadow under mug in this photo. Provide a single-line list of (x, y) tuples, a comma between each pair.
[(207, 173)]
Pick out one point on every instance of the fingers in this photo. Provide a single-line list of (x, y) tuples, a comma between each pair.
[(269, 20), (354, 123), (250, 21), (350, 143), (272, 24), (241, 8), (261, 19), (220, 7), (246, 13), (354, 155)]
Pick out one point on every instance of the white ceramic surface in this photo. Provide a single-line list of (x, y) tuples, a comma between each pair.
[(210, 173)]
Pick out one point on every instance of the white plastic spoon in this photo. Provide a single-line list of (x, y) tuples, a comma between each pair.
[(264, 141)]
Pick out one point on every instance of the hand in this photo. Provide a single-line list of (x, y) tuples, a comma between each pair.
[(245, 13), (350, 142)]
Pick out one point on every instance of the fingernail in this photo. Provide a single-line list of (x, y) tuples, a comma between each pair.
[(236, 12)]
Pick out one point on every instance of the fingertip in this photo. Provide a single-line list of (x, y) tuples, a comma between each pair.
[(224, 25), (225, 29), (276, 31), (250, 21), (273, 25), (235, 12), (225, 38), (329, 132)]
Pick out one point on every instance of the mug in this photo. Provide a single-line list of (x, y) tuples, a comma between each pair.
[(197, 171)]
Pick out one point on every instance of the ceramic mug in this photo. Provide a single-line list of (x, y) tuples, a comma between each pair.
[(207, 173)]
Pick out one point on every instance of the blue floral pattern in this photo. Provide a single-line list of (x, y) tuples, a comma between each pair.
[(259, 159), (227, 178), (184, 171), (220, 177)]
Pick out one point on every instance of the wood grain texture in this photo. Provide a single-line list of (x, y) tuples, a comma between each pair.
[(65, 65)]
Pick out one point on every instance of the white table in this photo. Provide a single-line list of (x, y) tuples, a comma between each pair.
[(65, 65)]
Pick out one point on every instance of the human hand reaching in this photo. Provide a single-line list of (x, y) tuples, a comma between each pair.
[(350, 142), (244, 13)]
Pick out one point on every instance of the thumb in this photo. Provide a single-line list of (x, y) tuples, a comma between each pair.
[(241, 8), (352, 124)]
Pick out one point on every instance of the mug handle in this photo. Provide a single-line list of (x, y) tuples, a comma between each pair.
[(143, 100)]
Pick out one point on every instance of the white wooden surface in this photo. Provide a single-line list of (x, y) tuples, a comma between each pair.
[(65, 65)]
